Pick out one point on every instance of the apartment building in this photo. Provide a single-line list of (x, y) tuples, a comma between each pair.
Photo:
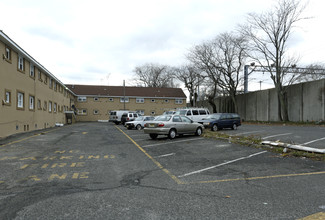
[(31, 97), (94, 103)]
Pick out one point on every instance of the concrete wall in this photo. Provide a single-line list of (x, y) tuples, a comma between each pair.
[(306, 102)]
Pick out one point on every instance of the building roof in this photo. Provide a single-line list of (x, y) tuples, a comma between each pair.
[(118, 91)]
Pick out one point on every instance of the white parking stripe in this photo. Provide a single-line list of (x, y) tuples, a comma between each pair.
[(248, 132), (275, 135), (219, 165), (166, 155), (152, 145), (314, 141)]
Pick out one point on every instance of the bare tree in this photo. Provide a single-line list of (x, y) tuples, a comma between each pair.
[(192, 79), (154, 75), (223, 60), (269, 34)]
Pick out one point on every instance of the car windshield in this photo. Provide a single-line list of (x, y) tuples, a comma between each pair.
[(139, 118), (163, 118), (181, 112), (213, 116)]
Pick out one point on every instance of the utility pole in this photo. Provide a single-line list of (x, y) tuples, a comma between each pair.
[(124, 94)]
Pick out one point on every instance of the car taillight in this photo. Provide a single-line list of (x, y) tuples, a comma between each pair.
[(128, 119), (161, 125)]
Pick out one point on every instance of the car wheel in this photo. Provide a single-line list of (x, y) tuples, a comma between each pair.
[(153, 136), (172, 133), (234, 127), (214, 127), (138, 127), (198, 131)]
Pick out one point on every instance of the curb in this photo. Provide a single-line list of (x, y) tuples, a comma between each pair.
[(293, 146)]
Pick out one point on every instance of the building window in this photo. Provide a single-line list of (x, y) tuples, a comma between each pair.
[(96, 112), (124, 100), (20, 100), (50, 106), (111, 99), (139, 100), (7, 100), (153, 100), (178, 101), (31, 102), (39, 105), (82, 98), (54, 107), (32, 71), (45, 106), (153, 112), (39, 75), (140, 111), (166, 100), (96, 99), (51, 83), (8, 53), (21, 63), (55, 85), (45, 79), (82, 111)]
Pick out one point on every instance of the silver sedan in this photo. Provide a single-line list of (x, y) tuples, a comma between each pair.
[(172, 125)]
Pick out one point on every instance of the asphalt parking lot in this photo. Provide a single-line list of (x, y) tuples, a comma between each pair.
[(102, 171)]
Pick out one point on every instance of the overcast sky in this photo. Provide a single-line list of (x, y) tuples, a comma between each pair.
[(100, 42)]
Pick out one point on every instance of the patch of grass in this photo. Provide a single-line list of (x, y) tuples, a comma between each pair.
[(254, 141)]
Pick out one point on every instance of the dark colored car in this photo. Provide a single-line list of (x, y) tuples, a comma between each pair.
[(218, 121)]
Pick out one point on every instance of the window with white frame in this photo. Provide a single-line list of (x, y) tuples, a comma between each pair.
[(45, 106), (96, 112), (82, 111), (111, 99), (50, 106), (166, 100), (54, 107), (32, 71), (31, 102), (8, 53), (178, 101), (139, 100), (82, 98), (140, 111), (153, 100), (55, 85), (153, 112), (20, 100), (21, 63), (7, 97), (96, 99), (126, 99)]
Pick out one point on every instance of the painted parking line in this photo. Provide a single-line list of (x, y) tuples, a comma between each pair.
[(222, 164), (178, 181), (260, 177), (165, 155), (320, 139), (153, 145), (277, 135), (249, 132)]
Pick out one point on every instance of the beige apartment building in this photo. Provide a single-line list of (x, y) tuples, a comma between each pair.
[(32, 98), (94, 103)]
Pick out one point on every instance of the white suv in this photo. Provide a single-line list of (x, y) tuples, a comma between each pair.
[(196, 114)]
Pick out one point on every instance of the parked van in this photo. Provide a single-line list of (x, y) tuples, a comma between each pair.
[(196, 114), (129, 116), (115, 116)]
